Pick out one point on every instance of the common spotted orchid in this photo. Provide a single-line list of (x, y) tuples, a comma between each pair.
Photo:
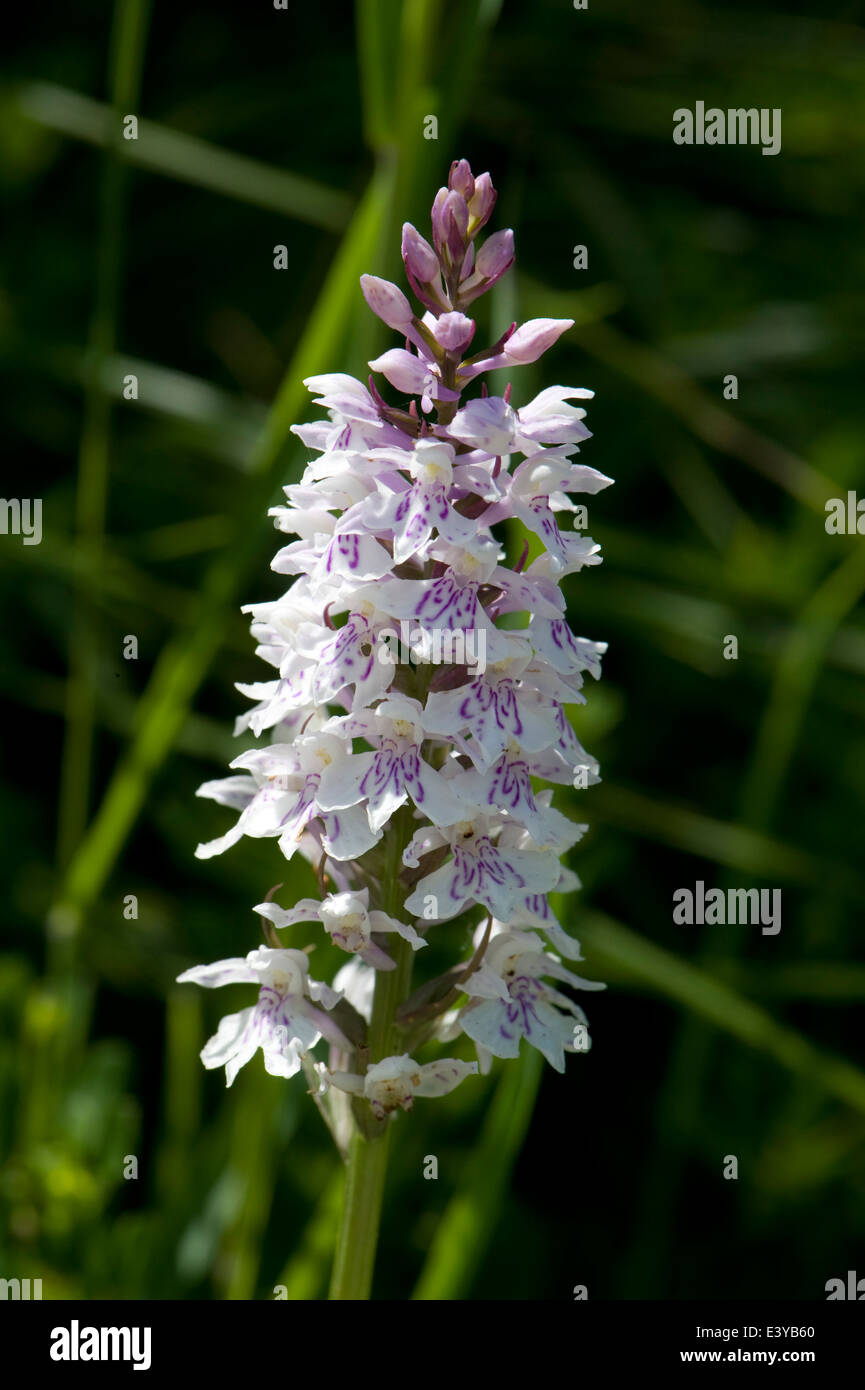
[(413, 787)]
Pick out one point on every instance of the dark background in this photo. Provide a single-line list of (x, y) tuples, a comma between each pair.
[(155, 257)]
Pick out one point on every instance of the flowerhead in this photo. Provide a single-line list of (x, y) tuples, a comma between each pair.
[(414, 788)]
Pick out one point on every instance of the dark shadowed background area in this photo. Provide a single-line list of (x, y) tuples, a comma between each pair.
[(154, 258)]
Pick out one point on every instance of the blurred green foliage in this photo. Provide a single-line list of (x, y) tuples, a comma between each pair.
[(155, 257)]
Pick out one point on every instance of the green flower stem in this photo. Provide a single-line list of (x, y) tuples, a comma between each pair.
[(361, 1214), (367, 1160)]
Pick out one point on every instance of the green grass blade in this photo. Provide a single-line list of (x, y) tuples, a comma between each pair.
[(718, 428), (377, 24), (305, 1276), (125, 69), (468, 1223), (726, 843), (222, 424), (188, 159), (718, 1004), (796, 675), (252, 1160)]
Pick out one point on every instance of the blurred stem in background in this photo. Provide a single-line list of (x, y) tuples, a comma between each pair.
[(126, 63)]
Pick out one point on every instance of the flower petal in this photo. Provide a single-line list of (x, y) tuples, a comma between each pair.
[(438, 1078)]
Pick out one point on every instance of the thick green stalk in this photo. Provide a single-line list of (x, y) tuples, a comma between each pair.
[(361, 1215), (367, 1160)]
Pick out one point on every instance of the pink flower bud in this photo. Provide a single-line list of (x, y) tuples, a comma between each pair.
[(439, 233), (450, 221), (533, 338), (455, 218), (418, 256), (460, 179), (388, 302), (454, 332), (482, 202), (496, 255)]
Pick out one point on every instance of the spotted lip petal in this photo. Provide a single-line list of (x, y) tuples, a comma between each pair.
[(493, 711), (507, 786), (481, 873), (413, 515)]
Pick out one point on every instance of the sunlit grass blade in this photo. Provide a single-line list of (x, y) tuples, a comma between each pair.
[(825, 981), (183, 1090), (252, 1160), (306, 1274), (377, 26), (472, 23), (188, 159), (222, 425), (468, 1223), (725, 843)]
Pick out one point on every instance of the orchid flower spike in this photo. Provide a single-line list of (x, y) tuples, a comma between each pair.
[(416, 718)]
